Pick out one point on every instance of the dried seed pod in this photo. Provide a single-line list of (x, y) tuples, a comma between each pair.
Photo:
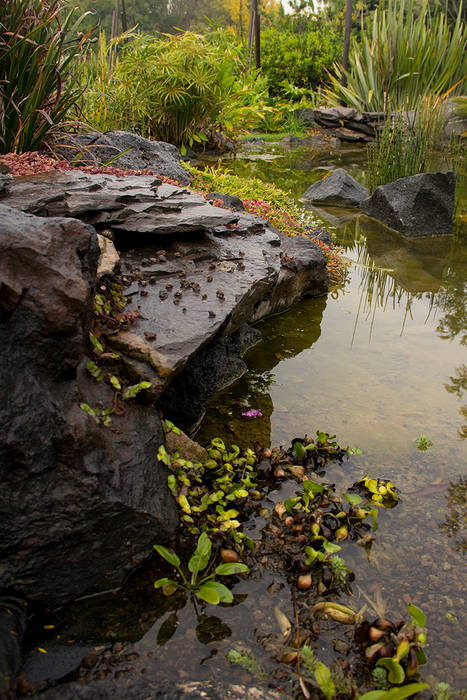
[(289, 521), (375, 634), (304, 582), (229, 556)]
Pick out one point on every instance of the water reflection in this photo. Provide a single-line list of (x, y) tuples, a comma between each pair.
[(455, 523), (286, 338)]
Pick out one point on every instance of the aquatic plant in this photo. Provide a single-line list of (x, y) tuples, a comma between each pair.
[(423, 443), (204, 587), (209, 493)]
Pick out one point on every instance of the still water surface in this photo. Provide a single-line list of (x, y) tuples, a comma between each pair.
[(378, 363)]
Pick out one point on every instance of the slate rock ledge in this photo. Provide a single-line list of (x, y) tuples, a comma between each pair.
[(81, 504)]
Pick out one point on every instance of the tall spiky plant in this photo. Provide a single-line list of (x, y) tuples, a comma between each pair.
[(38, 42), (404, 54)]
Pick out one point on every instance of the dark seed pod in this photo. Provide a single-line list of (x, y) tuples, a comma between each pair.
[(327, 577)]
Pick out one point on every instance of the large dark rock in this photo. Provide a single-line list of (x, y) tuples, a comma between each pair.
[(138, 153), (338, 188), (419, 205), (80, 504)]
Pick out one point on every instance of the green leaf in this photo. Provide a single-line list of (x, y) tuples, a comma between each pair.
[(225, 595), (299, 450), (353, 498), (395, 693), (374, 516), (208, 594), (168, 555), (396, 673), (165, 582), (202, 554), (324, 680), (115, 382), (417, 615), (233, 568), (331, 547), (312, 486)]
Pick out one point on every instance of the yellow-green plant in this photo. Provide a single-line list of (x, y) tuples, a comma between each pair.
[(181, 88), (38, 42), (400, 57)]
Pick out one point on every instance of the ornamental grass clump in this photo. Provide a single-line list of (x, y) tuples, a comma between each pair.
[(183, 89), (38, 43), (404, 54)]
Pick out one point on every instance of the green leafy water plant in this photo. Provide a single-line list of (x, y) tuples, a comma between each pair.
[(203, 586), (423, 443), (209, 493)]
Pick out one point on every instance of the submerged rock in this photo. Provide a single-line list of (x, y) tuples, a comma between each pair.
[(338, 188), (418, 205), (81, 504)]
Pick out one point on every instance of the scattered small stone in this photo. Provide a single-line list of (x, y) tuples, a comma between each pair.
[(185, 285), (241, 252), (182, 275), (177, 255), (149, 336), (143, 283), (163, 294), (169, 286), (212, 314), (240, 266), (205, 296), (152, 280), (209, 278), (212, 266), (176, 301), (184, 309), (144, 292), (178, 295), (162, 259), (220, 294), (196, 287)]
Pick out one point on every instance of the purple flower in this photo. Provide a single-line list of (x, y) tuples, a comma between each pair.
[(252, 413)]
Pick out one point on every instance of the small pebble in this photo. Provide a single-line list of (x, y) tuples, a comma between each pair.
[(205, 296), (219, 294), (169, 286), (177, 255), (212, 266), (209, 278), (212, 314), (144, 292), (163, 294), (184, 309), (149, 336), (152, 280)]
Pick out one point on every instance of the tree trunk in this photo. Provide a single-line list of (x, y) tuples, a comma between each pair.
[(345, 57)]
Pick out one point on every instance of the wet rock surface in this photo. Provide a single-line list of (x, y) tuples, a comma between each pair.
[(338, 188), (81, 505), (137, 153), (137, 687), (418, 205), (140, 204)]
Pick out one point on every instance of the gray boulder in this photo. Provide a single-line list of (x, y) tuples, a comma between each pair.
[(306, 115), (337, 188), (418, 205), (138, 153), (80, 504)]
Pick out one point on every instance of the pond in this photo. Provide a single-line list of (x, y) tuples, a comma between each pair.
[(379, 363)]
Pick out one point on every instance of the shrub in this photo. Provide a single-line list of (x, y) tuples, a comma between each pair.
[(301, 59), (401, 57), (181, 88), (36, 50)]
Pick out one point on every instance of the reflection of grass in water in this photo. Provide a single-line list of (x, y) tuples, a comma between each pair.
[(378, 289)]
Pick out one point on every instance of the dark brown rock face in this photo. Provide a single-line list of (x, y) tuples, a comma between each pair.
[(418, 205), (80, 505)]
